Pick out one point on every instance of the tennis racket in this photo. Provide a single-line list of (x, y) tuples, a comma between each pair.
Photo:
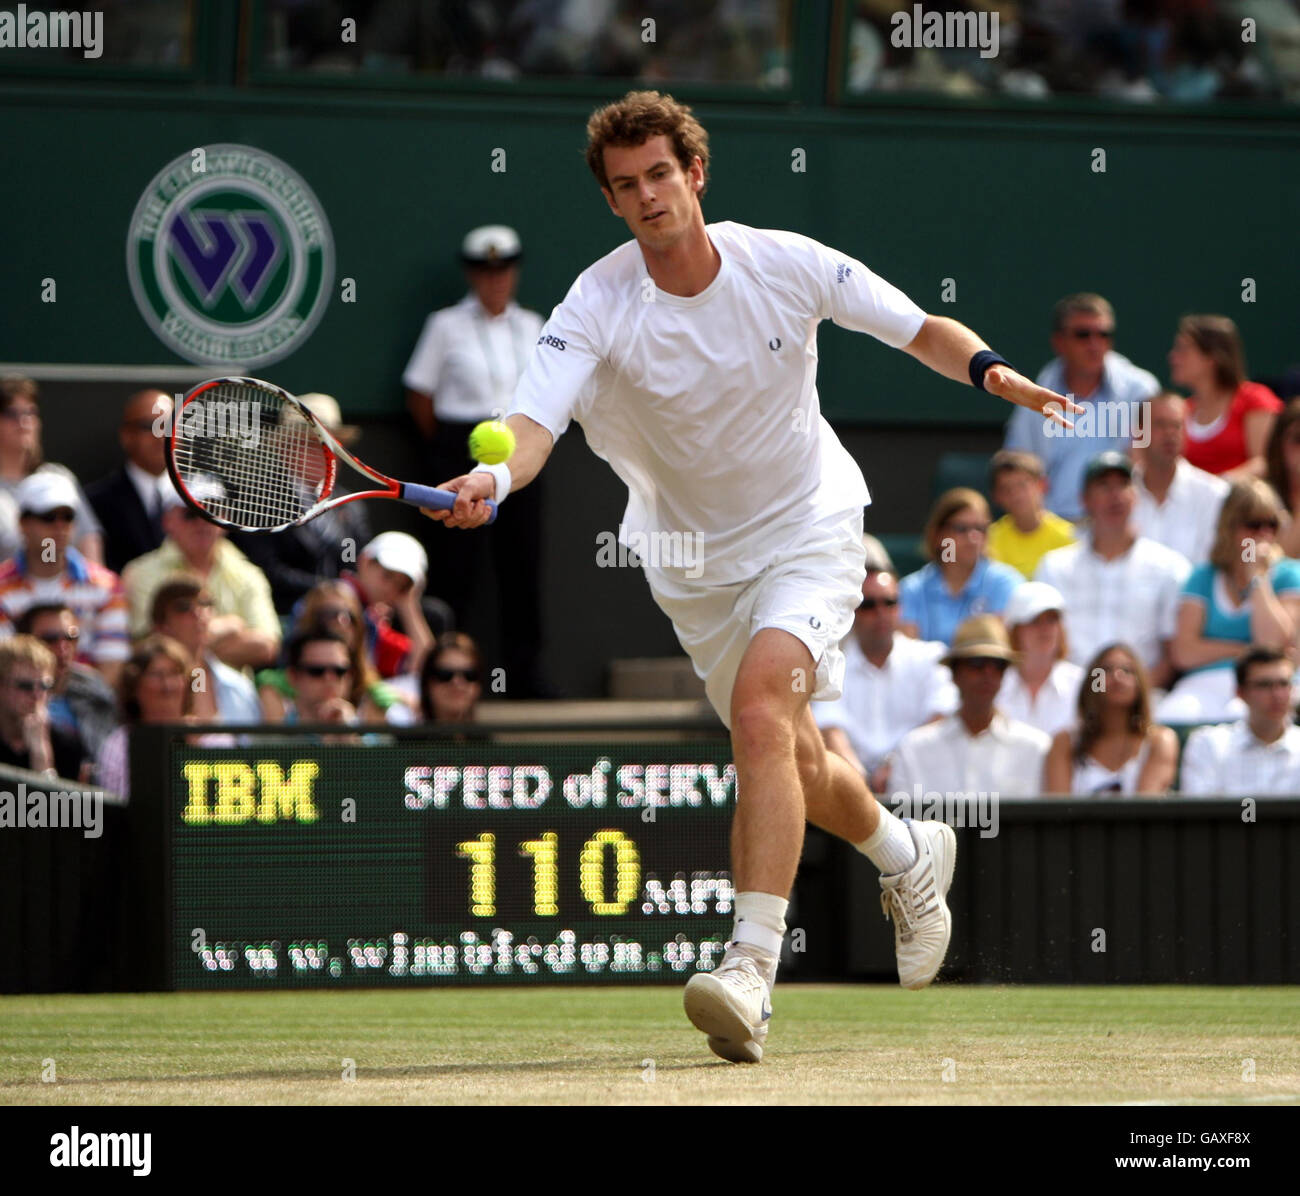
[(249, 456)]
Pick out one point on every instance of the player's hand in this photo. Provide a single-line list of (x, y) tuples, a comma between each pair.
[(1004, 382), (471, 509)]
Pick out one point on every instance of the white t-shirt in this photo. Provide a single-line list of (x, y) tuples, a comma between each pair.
[(1056, 705), (944, 757), (471, 361), (706, 407), (880, 705), (1189, 516)]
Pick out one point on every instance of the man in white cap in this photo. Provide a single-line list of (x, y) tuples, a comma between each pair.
[(1042, 688), (390, 577), (464, 370), (245, 630), (48, 569), (298, 558)]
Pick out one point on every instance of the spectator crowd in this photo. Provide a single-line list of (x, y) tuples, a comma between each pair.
[(1137, 601)]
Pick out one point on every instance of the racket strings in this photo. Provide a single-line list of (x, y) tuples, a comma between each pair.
[(249, 458)]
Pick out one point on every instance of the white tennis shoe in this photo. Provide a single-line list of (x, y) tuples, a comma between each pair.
[(915, 900), (732, 1005)]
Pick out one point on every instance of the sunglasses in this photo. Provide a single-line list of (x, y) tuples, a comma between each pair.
[(17, 413), (59, 637), (139, 425), (872, 603), (59, 515), (322, 670), (185, 606), (964, 529), (331, 613), (44, 685), (1258, 525), (470, 675), (1086, 334)]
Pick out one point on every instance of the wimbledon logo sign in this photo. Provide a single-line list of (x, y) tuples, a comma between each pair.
[(230, 257)]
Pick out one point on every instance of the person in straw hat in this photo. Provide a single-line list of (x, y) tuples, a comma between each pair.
[(978, 749)]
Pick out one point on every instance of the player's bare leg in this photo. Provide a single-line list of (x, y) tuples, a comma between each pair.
[(916, 859), (770, 694)]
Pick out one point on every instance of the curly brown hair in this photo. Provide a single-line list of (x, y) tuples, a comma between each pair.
[(636, 118)]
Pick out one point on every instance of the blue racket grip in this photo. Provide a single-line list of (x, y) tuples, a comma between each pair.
[(436, 499)]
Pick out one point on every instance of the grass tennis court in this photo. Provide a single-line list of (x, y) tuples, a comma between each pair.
[(865, 1044)]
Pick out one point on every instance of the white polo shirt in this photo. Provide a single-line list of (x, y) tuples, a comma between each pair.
[(1132, 599), (471, 361), (1006, 759), (1227, 759), (1056, 705), (1187, 519), (880, 705), (706, 407)]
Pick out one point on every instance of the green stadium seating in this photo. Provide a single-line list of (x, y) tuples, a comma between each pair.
[(961, 469)]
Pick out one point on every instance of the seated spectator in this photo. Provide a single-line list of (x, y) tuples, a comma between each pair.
[(245, 630), (1283, 457), (1229, 419), (1028, 530), (296, 559), (155, 688), (1246, 593), (182, 610), (1120, 584), (1259, 756), (129, 500), (451, 680), (320, 671), (333, 606), (978, 749), (49, 569), (960, 581), (892, 683), (1042, 687), (1115, 747), (389, 579), (1105, 383), (28, 739), (81, 702), (21, 457), (1177, 504)]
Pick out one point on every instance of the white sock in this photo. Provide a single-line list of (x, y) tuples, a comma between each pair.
[(891, 848), (760, 923)]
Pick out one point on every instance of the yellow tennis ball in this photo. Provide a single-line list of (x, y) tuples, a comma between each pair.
[(491, 442)]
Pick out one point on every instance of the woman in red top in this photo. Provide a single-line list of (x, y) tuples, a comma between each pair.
[(1228, 418)]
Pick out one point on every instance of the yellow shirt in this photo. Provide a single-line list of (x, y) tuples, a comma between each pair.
[(1013, 547)]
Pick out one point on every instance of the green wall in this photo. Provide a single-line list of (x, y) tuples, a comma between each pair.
[(1005, 204)]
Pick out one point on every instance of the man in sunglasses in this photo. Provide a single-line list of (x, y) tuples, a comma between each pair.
[(320, 671), (1259, 756), (50, 569), (892, 683), (81, 702), (27, 738), (1110, 387)]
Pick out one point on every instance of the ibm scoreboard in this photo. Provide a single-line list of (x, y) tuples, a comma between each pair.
[(418, 862)]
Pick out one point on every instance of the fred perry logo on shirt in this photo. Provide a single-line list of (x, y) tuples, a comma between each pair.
[(815, 623), (774, 344)]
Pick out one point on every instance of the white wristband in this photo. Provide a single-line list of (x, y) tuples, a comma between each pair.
[(502, 475)]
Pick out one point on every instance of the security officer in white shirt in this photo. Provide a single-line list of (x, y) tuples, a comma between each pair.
[(1258, 756), (464, 370), (978, 749)]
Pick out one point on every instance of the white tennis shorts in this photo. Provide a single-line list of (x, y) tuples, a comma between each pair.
[(810, 590)]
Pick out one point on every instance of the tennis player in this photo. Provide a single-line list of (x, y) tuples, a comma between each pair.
[(689, 356)]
